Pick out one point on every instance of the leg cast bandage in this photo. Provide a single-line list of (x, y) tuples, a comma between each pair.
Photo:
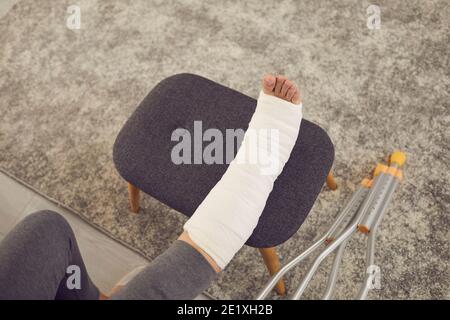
[(228, 215)]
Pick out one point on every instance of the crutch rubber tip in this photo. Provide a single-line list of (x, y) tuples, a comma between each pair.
[(398, 158)]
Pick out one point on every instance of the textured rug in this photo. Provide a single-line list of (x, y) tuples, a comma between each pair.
[(64, 95)]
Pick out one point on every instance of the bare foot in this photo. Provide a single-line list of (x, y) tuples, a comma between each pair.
[(282, 88)]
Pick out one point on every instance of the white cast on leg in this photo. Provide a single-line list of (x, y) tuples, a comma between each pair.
[(228, 215)]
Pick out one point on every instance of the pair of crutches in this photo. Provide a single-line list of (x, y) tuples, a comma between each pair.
[(362, 213)]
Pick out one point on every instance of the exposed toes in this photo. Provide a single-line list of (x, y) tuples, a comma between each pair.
[(279, 85), (286, 86), (269, 84), (296, 97), (290, 93)]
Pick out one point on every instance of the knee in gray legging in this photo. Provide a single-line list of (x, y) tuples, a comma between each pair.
[(46, 226), (34, 257), (51, 220), (46, 217)]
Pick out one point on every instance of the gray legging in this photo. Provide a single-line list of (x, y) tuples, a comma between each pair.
[(36, 254)]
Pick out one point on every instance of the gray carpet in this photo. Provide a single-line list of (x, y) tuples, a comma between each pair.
[(65, 94)]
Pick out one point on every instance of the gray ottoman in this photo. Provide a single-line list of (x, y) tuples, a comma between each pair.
[(142, 156)]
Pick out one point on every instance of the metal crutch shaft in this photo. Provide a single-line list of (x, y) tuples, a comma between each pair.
[(351, 207), (365, 287), (368, 214), (277, 276), (326, 238), (378, 182), (334, 272), (335, 268), (332, 278)]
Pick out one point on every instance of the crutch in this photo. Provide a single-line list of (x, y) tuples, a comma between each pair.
[(391, 175), (325, 239), (371, 223), (363, 211)]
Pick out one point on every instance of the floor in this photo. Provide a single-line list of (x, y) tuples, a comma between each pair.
[(106, 260), (5, 5), (103, 71)]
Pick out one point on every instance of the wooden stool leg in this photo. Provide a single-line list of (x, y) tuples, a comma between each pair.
[(273, 265), (330, 181), (133, 194)]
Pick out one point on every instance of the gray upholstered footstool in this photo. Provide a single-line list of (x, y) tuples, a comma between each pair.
[(142, 155)]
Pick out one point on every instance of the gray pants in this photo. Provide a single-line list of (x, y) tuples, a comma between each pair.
[(36, 254)]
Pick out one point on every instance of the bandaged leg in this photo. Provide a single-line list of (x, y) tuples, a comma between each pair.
[(228, 215)]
